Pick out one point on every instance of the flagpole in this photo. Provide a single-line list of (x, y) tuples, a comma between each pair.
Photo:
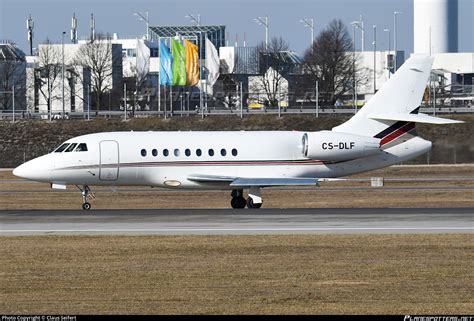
[(206, 81), (200, 73), (171, 86), (164, 106), (159, 71), (171, 100)]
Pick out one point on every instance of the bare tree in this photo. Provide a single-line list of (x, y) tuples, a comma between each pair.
[(140, 85), (49, 71), (12, 74), (274, 69), (330, 60), (99, 58)]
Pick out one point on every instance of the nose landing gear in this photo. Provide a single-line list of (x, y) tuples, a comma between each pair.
[(87, 195)]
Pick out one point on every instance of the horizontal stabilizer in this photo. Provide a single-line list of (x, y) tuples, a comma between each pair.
[(416, 118)]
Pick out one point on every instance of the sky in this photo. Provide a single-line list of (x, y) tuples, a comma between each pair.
[(52, 17)]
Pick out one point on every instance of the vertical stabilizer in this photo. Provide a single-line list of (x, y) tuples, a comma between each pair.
[(401, 95)]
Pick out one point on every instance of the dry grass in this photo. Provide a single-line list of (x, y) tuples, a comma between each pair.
[(272, 199), (273, 274), (329, 195), (299, 274)]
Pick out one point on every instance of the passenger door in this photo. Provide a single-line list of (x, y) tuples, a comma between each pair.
[(109, 160)]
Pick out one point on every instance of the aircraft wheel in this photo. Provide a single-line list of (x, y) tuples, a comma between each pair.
[(251, 204), (238, 202), (86, 206)]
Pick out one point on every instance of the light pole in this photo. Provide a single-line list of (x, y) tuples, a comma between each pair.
[(143, 17), (30, 25), (88, 101), (395, 13), (74, 28), (388, 55), (310, 24), (359, 24), (263, 21), (375, 56), (317, 99), (62, 73), (195, 18), (13, 102), (92, 27), (361, 27), (354, 24)]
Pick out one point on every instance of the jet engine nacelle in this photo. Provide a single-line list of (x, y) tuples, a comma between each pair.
[(334, 146)]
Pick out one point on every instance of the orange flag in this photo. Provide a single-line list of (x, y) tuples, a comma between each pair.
[(192, 63)]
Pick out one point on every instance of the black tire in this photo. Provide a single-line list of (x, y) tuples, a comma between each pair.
[(251, 204), (86, 206), (238, 202)]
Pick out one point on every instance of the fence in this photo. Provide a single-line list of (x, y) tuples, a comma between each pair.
[(210, 111)]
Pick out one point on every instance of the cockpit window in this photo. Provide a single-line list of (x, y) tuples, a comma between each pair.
[(61, 148), (71, 148), (81, 148)]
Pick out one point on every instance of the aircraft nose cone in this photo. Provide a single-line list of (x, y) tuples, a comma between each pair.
[(21, 171), (35, 170)]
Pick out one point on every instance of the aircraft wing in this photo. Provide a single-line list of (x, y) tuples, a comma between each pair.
[(242, 182), (211, 179), (248, 182)]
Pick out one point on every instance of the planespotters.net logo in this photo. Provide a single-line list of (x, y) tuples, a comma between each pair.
[(437, 318)]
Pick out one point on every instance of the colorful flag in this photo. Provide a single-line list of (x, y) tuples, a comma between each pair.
[(166, 62), (179, 63), (212, 63), (192, 63), (142, 60)]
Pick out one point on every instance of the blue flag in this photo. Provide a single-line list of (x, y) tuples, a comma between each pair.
[(166, 63)]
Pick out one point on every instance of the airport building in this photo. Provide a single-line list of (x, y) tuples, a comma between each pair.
[(376, 68), (12, 76), (81, 76), (436, 34), (247, 77)]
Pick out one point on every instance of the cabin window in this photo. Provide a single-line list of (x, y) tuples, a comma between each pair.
[(176, 152), (154, 152), (61, 148), (187, 152), (71, 148), (234, 152), (198, 152), (211, 152), (223, 152), (81, 148), (166, 152), (143, 152)]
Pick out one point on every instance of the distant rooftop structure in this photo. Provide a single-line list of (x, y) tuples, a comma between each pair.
[(216, 34), (287, 58), (10, 52), (249, 61)]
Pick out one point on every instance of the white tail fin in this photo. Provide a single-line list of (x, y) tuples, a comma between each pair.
[(401, 95)]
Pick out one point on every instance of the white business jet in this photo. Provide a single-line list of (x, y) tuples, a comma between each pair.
[(381, 134)]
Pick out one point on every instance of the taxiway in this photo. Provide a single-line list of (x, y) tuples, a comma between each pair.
[(228, 221)]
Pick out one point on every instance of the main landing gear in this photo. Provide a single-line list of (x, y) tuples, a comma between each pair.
[(253, 201), (86, 196)]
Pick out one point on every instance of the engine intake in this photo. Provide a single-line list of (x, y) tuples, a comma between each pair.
[(334, 146)]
